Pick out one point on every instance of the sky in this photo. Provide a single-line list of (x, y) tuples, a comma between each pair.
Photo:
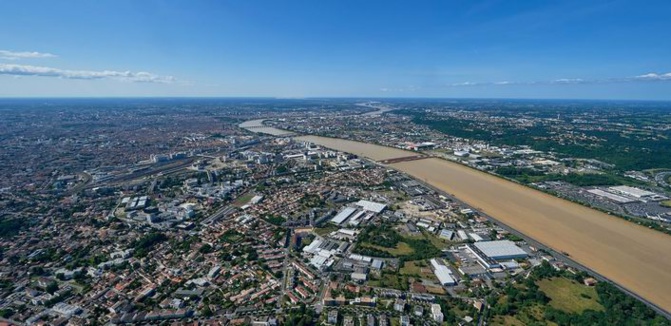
[(336, 48)]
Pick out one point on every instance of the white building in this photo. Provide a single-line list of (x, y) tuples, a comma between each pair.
[(443, 273), (343, 215), (66, 310), (488, 253), (436, 313), (501, 249), (371, 206), (632, 192)]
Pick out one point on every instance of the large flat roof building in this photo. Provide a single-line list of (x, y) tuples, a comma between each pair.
[(371, 206), (611, 196), (632, 191), (489, 252), (343, 215)]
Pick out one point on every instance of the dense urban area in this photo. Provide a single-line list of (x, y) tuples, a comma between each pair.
[(217, 212)]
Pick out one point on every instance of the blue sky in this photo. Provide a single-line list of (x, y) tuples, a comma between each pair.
[(500, 49)]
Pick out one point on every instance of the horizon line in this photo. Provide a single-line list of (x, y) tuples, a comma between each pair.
[(326, 97)]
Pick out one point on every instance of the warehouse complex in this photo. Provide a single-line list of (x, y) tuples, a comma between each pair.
[(488, 253)]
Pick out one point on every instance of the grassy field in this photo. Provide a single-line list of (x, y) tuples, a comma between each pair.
[(570, 296), (413, 268), (506, 321), (410, 268), (242, 200), (389, 280), (401, 249), (434, 239), (232, 236), (435, 290), (325, 230), (526, 316), (666, 203)]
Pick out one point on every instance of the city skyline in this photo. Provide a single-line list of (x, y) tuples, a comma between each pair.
[(489, 49)]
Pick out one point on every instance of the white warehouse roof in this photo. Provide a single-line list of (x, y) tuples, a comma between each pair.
[(343, 215), (502, 249), (443, 273), (632, 191), (371, 206), (313, 247)]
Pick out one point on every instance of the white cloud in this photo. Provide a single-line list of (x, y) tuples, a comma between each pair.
[(468, 83), (654, 76), (26, 70), (571, 81), (568, 81), (13, 55), (407, 89)]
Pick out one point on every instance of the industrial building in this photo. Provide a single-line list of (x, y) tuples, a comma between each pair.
[(343, 215), (359, 277), (611, 196), (476, 237), (443, 273), (371, 206), (447, 234), (489, 252), (377, 264), (462, 235), (632, 191)]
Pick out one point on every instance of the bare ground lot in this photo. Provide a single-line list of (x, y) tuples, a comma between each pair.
[(635, 257)]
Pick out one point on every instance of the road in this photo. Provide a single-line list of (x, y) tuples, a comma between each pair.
[(662, 177), (222, 212)]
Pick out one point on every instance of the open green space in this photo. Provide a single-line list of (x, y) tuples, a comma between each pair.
[(328, 228), (434, 239), (506, 321), (231, 236), (275, 220), (570, 296), (390, 280), (417, 268), (410, 268), (10, 227), (528, 175), (242, 200), (381, 236), (551, 297), (666, 203), (384, 241), (401, 249)]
